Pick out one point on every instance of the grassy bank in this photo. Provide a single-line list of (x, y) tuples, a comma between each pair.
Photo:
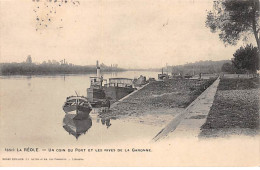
[(235, 109), (161, 97)]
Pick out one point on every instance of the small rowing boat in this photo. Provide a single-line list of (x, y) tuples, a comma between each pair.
[(77, 104)]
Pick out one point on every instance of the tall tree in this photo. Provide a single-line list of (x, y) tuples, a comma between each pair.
[(247, 58), (235, 19)]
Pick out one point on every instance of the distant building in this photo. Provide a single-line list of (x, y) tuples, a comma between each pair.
[(63, 62), (29, 59)]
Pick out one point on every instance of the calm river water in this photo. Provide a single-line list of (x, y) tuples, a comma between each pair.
[(31, 113)]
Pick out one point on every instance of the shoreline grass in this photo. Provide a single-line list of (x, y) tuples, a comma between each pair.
[(235, 109)]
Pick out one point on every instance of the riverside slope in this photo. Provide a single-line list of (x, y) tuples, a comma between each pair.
[(188, 123)]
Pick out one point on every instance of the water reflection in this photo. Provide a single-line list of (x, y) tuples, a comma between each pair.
[(80, 123), (106, 122), (29, 80), (77, 126)]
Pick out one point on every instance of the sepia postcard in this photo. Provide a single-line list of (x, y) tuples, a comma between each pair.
[(129, 83)]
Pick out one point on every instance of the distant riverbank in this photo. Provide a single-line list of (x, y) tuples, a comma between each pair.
[(50, 69)]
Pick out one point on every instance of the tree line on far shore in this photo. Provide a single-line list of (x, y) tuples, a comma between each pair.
[(205, 67), (50, 68)]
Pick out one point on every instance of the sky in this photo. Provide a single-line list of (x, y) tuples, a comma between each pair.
[(130, 33)]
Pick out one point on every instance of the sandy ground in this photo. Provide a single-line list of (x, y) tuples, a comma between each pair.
[(159, 117)]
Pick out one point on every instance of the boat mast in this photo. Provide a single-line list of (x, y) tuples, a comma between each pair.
[(98, 70)]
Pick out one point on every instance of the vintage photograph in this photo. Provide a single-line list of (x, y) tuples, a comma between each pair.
[(129, 83)]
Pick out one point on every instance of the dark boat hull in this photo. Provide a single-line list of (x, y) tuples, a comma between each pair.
[(68, 109), (117, 93), (93, 94)]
